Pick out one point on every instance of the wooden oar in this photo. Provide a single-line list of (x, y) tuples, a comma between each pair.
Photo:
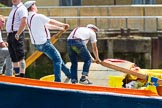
[(37, 54), (127, 71)]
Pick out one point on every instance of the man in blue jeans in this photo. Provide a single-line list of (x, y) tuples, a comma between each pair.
[(76, 47), (39, 26)]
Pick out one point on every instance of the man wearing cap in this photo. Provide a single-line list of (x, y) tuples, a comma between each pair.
[(39, 26), (15, 26), (76, 47)]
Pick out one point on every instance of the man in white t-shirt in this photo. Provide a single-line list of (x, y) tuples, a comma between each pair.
[(4, 53), (38, 25), (76, 47), (15, 25)]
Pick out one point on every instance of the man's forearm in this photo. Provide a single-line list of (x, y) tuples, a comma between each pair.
[(55, 22), (22, 26)]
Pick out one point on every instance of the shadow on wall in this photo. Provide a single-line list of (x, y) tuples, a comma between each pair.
[(70, 2)]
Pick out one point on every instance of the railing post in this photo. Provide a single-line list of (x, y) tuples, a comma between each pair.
[(157, 24), (96, 21), (64, 20), (126, 22)]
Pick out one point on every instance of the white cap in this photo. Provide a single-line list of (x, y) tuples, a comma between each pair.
[(29, 3), (92, 26)]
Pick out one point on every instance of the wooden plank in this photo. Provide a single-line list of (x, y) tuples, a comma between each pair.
[(127, 71)]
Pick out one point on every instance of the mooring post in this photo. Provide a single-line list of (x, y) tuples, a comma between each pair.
[(160, 52), (110, 46), (155, 52)]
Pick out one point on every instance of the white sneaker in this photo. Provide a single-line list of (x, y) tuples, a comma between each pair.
[(67, 80)]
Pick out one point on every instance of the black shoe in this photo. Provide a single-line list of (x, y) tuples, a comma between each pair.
[(74, 81), (84, 80)]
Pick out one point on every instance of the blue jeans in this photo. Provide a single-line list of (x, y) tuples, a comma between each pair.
[(6, 59), (48, 49), (76, 48)]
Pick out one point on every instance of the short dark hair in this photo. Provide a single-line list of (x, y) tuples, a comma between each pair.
[(30, 7)]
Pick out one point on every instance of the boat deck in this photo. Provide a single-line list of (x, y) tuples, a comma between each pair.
[(103, 76), (99, 74)]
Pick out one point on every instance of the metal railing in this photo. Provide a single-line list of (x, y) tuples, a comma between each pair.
[(142, 23)]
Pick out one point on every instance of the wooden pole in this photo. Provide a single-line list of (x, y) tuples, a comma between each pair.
[(127, 71)]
